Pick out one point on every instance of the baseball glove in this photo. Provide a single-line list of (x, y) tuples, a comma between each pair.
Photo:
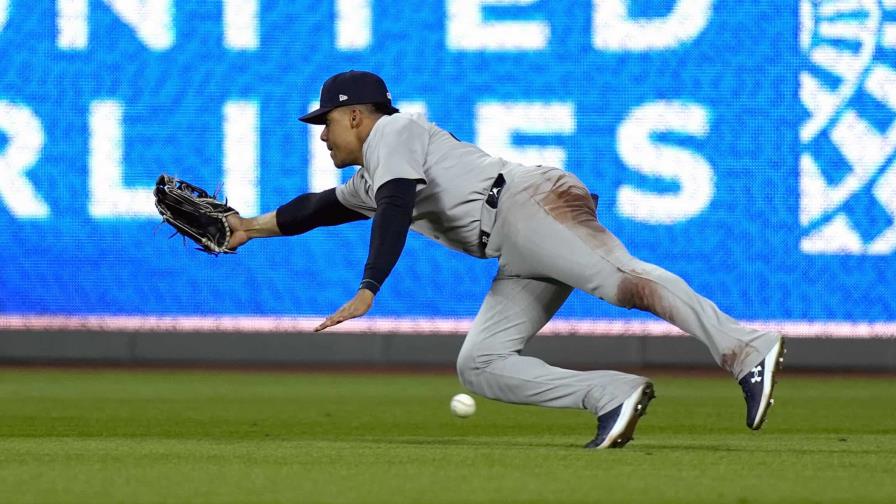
[(192, 212)]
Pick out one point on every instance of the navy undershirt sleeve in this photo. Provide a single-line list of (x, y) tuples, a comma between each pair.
[(313, 210), (389, 230)]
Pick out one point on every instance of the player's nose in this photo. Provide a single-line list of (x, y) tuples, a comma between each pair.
[(324, 134)]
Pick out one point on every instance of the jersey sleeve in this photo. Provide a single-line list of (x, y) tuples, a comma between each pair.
[(355, 194), (398, 150), (313, 210)]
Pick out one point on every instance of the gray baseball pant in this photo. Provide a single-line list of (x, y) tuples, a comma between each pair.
[(549, 241)]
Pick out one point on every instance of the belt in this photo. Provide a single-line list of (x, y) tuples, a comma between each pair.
[(489, 209)]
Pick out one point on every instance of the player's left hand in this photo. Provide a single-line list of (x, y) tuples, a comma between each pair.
[(356, 307)]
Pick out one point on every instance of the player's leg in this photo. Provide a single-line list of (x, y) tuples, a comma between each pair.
[(751, 355), (564, 240), (489, 362)]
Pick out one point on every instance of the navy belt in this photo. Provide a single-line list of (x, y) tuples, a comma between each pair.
[(495, 191), (491, 201)]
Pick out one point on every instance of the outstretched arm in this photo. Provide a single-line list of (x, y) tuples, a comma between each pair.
[(243, 230), (300, 215), (388, 233)]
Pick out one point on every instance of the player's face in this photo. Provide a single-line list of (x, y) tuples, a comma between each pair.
[(342, 136)]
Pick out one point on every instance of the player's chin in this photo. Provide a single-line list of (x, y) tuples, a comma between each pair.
[(338, 163)]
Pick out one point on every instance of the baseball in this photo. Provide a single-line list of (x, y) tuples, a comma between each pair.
[(463, 406)]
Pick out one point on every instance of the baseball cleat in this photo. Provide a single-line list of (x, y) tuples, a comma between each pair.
[(616, 427), (759, 383)]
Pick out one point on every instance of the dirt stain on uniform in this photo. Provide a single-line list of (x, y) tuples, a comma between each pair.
[(637, 292), (729, 359), (572, 205), (569, 203)]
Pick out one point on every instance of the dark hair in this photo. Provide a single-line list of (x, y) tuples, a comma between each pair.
[(382, 108)]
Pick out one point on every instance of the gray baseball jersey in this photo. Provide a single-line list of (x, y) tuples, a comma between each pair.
[(544, 230), (455, 178)]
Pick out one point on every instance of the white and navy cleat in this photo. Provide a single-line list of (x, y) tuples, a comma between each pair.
[(616, 427), (759, 384)]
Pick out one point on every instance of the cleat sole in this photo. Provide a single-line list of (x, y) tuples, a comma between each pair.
[(628, 434), (778, 365)]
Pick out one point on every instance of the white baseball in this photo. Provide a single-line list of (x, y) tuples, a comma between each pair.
[(463, 406)]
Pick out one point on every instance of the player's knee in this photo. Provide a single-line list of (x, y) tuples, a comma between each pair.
[(472, 364), (466, 367)]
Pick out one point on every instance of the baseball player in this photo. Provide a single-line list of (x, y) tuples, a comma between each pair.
[(539, 222)]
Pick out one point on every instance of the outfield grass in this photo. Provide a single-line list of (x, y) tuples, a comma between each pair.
[(191, 436)]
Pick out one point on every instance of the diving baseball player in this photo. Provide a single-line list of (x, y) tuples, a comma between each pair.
[(538, 221)]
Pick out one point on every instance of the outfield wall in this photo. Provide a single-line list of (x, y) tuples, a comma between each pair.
[(277, 349)]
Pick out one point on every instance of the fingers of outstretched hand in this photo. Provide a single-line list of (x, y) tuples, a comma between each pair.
[(348, 311), (339, 317), (334, 319), (329, 322), (358, 306)]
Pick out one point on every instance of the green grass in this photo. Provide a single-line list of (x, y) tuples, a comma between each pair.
[(191, 436)]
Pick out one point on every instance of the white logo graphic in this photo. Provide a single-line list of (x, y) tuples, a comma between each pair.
[(342, 97), (756, 378), (847, 165)]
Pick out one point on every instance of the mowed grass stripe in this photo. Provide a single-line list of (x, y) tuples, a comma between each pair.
[(190, 436)]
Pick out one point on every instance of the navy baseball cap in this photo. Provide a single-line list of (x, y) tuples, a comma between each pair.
[(354, 87)]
